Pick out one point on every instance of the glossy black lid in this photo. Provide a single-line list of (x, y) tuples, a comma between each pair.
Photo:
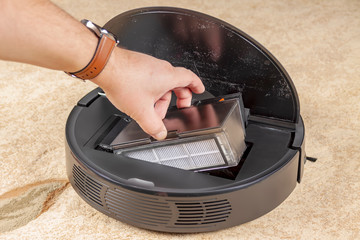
[(225, 58)]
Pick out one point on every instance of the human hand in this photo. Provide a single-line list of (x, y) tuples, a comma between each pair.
[(140, 86)]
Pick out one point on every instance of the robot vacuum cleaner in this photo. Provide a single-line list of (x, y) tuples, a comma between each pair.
[(233, 156)]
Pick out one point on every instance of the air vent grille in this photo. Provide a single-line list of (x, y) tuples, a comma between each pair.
[(90, 188), (137, 208), (200, 213)]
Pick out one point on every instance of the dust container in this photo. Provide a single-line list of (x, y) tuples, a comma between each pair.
[(207, 136)]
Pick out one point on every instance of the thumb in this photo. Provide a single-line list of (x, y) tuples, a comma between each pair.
[(152, 124)]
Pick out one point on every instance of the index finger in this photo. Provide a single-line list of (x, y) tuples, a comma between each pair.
[(186, 78)]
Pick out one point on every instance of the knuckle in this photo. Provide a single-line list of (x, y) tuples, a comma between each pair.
[(167, 67), (166, 64)]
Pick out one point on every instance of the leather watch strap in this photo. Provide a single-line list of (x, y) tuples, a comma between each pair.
[(98, 61)]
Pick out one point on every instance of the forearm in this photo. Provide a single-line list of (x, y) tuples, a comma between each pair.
[(38, 32)]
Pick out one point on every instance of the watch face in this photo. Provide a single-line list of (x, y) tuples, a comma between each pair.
[(92, 26), (97, 30)]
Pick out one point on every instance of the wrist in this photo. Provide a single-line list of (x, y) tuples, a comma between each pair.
[(105, 79), (84, 52), (106, 44)]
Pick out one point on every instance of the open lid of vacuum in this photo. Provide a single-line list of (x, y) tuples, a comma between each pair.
[(228, 61)]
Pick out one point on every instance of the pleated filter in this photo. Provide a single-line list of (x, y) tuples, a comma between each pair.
[(188, 156)]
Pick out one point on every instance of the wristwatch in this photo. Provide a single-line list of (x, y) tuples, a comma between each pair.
[(107, 43)]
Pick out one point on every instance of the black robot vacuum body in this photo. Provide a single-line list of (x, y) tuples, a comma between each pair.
[(235, 175)]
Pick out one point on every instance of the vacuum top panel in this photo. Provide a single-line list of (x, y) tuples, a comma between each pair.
[(267, 147)]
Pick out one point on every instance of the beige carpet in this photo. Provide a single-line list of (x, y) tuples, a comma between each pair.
[(318, 42)]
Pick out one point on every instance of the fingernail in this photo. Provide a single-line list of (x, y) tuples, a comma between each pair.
[(161, 135)]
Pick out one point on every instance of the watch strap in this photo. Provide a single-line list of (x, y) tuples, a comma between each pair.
[(102, 54)]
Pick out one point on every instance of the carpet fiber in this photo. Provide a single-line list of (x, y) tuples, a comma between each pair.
[(318, 43)]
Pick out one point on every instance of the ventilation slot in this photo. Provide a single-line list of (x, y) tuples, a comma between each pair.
[(137, 208), (200, 213), (87, 185)]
